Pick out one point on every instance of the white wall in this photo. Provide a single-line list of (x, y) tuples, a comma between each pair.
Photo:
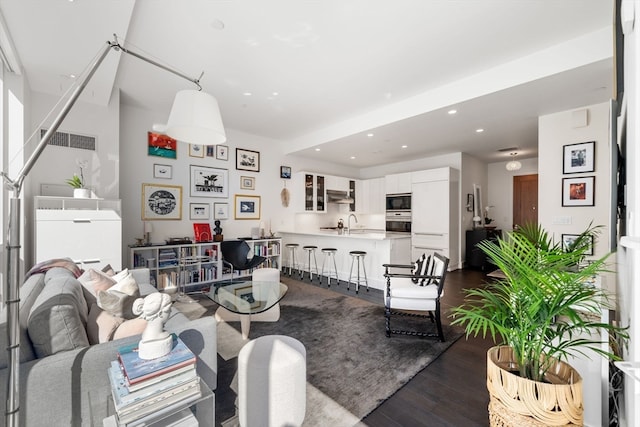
[(500, 190), (136, 168), (555, 131)]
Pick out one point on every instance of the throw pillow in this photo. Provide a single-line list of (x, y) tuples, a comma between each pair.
[(417, 267), (121, 275), (101, 325), (95, 281), (129, 328), (118, 299), (108, 270), (427, 270)]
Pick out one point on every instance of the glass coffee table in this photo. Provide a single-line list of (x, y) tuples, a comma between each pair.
[(248, 300)]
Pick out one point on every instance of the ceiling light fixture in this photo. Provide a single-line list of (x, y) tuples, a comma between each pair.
[(479, 130), (317, 149), (513, 165), (370, 135), (452, 112), (404, 146)]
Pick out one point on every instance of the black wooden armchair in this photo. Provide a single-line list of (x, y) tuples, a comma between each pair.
[(417, 289)]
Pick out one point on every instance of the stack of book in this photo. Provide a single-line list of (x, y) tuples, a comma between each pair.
[(145, 389)]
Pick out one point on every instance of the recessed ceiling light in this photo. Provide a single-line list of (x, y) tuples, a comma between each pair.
[(352, 157), (404, 146), (452, 112), (317, 149), (247, 93), (479, 130), (369, 135), (275, 93)]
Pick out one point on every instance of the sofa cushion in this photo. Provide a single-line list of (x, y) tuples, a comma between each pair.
[(58, 316)]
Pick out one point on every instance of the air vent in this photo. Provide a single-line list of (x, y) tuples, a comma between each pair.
[(71, 140)]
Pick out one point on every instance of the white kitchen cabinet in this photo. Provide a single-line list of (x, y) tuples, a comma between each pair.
[(339, 183), (89, 231), (434, 215), (310, 192), (370, 196), (398, 183)]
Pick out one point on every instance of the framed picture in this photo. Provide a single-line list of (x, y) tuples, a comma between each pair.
[(196, 150), (202, 232), (210, 150), (222, 152), (161, 146), (209, 182), (221, 211), (578, 191), (247, 183), (199, 211), (161, 201), (247, 160), (578, 158), (247, 206), (162, 171), (569, 239), (285, 172)]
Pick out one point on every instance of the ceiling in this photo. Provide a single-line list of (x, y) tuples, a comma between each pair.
[(324, 74)]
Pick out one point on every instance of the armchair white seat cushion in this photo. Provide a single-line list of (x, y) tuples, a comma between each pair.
[(406, 295)]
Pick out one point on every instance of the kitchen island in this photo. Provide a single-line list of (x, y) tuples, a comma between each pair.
[(381, 248)]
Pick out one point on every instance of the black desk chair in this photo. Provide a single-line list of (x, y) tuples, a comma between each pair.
[(234, 254)]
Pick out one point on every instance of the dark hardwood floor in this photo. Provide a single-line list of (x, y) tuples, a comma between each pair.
[(451, 391)]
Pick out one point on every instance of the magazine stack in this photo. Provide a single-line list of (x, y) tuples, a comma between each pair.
[(143, 390)]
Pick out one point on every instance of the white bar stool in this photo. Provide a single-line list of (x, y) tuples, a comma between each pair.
[(329, 254), (359, 257), (311, 249), (293, 263)]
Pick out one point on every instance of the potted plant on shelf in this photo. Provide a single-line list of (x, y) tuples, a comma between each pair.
[(545, 309), (77, 183)]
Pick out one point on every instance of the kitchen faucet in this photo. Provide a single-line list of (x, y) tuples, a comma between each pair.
[(349, 222)]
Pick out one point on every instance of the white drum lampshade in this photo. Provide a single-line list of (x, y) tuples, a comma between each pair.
[(195, 119)]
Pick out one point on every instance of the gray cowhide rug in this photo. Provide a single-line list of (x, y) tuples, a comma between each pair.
[(352, 366)]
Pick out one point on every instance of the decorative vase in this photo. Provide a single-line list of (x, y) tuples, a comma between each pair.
[(82, 193), (517, 401)]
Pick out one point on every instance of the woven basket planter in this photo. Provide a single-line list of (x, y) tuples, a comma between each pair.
[(516, 401)]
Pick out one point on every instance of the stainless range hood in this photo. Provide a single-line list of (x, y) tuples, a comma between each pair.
[(339, 196)]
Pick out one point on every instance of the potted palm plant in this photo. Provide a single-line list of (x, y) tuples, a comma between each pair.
[(545, 309)]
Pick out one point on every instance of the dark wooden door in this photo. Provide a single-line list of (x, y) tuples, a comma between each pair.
[(525, 200)]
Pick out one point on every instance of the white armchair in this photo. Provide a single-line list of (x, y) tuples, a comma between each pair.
[(417, 289)]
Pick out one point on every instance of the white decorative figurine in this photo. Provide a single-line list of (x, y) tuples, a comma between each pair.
[(155, 309)]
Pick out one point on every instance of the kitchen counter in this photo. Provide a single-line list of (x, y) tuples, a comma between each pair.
[(355, 234), (381, 248)]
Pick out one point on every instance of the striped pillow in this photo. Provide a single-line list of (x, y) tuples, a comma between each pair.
[(418, 266)]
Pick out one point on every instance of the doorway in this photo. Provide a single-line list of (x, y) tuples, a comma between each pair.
[(525, 200)]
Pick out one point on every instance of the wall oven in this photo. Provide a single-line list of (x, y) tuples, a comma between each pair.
[(398, 221), (398, 202)]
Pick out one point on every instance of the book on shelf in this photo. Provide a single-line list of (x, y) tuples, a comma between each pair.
[(123, 398), (137, 370)]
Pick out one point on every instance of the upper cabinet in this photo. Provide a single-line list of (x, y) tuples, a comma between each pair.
[(370, 195), (398, 183), (309, 192)]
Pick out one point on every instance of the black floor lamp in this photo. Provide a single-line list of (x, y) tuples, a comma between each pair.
[(194, 118)]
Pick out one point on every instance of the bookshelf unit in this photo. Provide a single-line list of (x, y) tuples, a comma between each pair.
[(173, 265), (270, 248)]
